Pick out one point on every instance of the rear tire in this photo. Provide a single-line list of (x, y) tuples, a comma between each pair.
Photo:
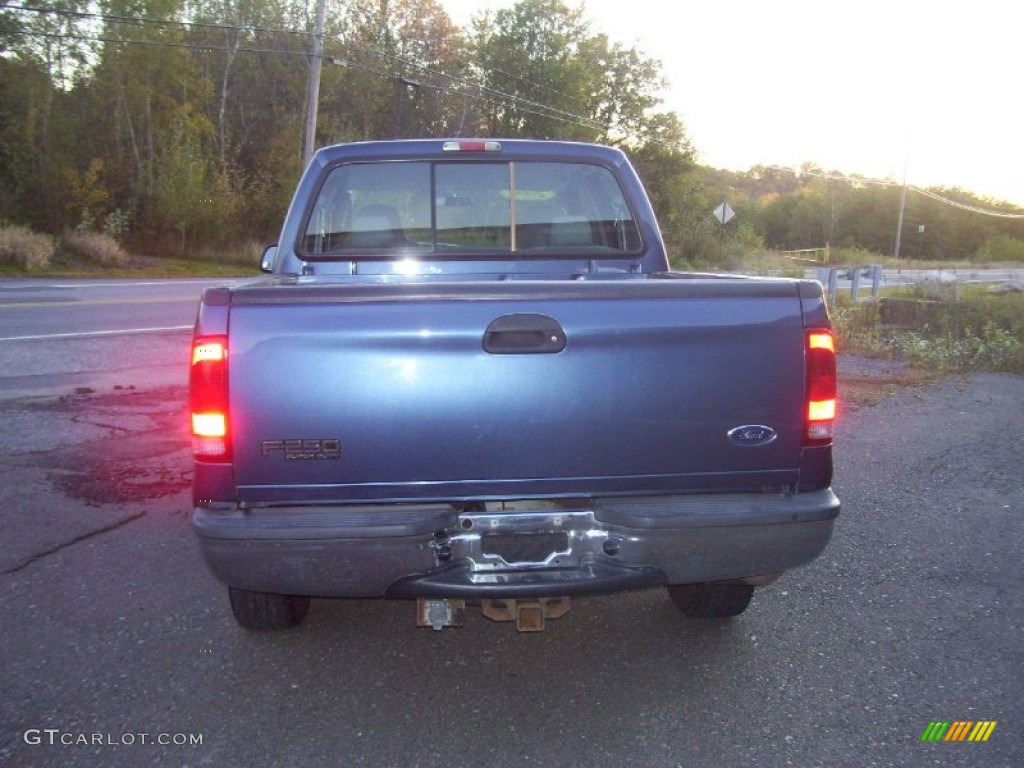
[(264, 610), (711, 600)]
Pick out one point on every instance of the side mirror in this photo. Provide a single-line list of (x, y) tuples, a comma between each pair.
[(269, 257)]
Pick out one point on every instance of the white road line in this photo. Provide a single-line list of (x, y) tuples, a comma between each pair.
[(127, 283), (95, 302), (86, 334)]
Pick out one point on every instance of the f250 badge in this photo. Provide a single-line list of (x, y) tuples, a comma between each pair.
[(302, 449), (752, 435)]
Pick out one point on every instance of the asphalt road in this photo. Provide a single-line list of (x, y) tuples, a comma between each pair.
[(59, 334), (114, 637)]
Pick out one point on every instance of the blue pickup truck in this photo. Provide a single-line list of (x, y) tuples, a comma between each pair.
[(470, 377)]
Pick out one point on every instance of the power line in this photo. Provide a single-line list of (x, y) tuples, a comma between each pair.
[(889, 183), (143, 21), (147, 20), (208, 47), (497, 98), (159, 43), (516, 100), (966, 207), (500, 98)]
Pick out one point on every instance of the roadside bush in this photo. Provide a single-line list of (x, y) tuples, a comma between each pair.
[(942, 286), (989, 348), (856, 330), (1001, 249), (91, 248), (979, 332), (25, 249), (116, 224)]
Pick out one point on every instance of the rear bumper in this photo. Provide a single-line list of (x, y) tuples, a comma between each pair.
[(529, 549)]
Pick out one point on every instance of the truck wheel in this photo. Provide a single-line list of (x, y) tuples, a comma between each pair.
[(265, 610), (711, 600)]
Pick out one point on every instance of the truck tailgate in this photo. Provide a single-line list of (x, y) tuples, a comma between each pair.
[(398, 392)]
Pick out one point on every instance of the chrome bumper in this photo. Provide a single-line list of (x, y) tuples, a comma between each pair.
[(514, 550)]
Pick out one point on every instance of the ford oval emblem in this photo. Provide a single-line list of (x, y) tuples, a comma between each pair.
[(752, 435)]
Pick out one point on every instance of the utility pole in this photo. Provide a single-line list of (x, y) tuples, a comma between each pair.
[(313, 96), (401, 84), (899, 223)]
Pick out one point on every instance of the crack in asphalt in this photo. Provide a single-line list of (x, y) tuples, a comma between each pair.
[(101, 425), (64, 545)]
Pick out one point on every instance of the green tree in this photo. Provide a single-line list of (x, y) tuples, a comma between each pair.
[(145, 83), (253, 57), (53, 33), (677, 189), (623, 89), (26, 93), (44, 53), (87, 195), (188, 195), (395, 74), (529, 62)]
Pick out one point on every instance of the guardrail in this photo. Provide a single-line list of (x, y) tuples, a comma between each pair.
[(835, 278), (810, 255), (830, 276)]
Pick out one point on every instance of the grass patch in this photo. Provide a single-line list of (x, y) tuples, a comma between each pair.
[(978, 331), (136, 267)]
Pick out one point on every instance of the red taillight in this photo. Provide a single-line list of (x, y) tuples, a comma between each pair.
[(208, 398), (821, 387), (471, 146)]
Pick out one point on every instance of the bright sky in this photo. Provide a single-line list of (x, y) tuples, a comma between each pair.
[(878, 87)]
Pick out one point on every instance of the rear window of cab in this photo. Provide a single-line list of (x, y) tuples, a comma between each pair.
[(454, 209)]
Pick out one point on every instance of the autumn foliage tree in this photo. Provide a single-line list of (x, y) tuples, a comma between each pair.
[(180, 123)]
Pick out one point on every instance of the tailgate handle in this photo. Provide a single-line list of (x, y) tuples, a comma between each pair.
[(524, 335)]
